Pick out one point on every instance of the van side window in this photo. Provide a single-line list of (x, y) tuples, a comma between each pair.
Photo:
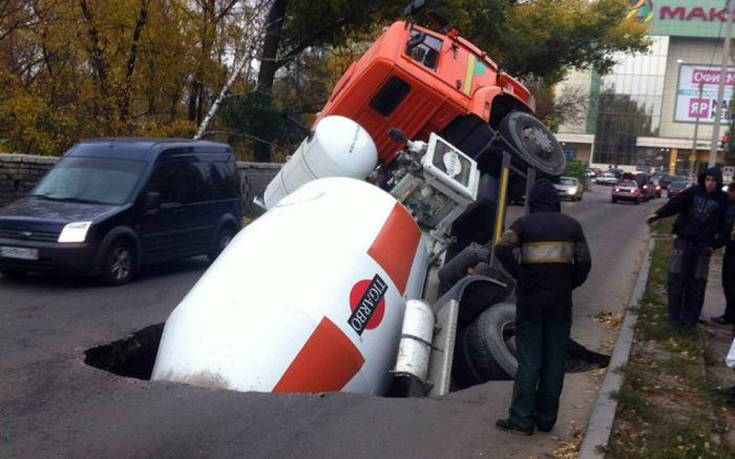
[(225, 180), (165, 180), (194, 179)]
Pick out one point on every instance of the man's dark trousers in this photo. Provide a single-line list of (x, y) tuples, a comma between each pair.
[(688, 271), (728, 281), (542, 332)]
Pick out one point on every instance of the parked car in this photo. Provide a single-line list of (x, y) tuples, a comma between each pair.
[(656, 184), (608, 178), (627, 190), (110, 206), (663, 180), (676, 187), (569, 188), (647, 188)]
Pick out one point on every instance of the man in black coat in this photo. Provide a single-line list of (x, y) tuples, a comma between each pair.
[(554, 261), (701, 221), (728, 261)]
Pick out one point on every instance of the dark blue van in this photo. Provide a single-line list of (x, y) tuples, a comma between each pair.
[(110, 206)]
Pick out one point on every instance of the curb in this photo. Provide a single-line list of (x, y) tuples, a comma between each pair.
[(600, 423)]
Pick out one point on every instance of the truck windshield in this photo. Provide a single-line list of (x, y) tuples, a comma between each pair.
[(91, 180)]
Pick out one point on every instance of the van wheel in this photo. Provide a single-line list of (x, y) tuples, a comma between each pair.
[(536, 144), (223, 240), (486, 351), (118, 264)]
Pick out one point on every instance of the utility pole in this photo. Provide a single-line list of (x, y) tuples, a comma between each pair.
[(721, 87), (696, 129)]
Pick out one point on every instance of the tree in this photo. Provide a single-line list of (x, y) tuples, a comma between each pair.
[(555, 110), (293, 26), (545, 38), (87, 68)]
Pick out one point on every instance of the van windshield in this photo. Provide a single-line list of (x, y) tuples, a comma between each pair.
[(91, 180)]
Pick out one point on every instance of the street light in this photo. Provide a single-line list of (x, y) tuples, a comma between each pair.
[(693, 156)]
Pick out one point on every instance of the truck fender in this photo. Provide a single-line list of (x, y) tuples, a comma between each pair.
[(483, 100), (113, 234), (475, 293)]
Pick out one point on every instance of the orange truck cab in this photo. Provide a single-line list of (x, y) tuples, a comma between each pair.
[(420, 81)]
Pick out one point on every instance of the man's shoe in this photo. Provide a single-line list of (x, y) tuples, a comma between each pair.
[(544, 427), (504, 424), (721, 320)]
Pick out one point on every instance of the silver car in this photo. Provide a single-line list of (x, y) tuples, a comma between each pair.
[(607, 178), (569, 188)]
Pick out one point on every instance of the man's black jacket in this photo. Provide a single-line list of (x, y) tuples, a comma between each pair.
[(554, 254), (701, 219)]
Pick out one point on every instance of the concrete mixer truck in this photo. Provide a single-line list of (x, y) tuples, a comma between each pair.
[(372, 270)]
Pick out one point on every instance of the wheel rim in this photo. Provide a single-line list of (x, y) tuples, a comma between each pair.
[(533, 135), (122, 263)]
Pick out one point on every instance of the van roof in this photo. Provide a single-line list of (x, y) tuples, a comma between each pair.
[(138, 147)]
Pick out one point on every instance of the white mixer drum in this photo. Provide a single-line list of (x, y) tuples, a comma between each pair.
[(309, 297), (338, 147)]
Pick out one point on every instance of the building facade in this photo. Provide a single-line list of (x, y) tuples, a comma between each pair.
[(656, 110)]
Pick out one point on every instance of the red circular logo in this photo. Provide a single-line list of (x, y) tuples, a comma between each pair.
[(358, 296)]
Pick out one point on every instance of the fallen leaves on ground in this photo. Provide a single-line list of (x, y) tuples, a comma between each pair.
[(611, 320)]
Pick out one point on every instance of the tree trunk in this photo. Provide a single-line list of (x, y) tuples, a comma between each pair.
[(130, 66), (268, 64)]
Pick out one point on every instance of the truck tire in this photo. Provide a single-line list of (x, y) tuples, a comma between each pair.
[(536, 144), (486, 350)]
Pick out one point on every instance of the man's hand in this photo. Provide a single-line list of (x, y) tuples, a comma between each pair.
[(651, 218)]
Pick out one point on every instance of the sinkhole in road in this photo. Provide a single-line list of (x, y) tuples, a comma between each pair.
[(135, 355)]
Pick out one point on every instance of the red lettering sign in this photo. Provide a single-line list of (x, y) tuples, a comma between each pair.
[(668, 13), (680, 13)]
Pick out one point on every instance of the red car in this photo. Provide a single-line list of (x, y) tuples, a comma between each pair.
[(627, 190)]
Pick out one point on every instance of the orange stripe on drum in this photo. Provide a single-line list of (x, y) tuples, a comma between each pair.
[(326, 363), (396, 244)]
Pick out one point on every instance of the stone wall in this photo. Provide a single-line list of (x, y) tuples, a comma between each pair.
[(19, 173)]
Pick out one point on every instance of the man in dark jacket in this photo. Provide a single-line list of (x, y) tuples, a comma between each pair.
[(554, 261), (701, 221), (728, 261)]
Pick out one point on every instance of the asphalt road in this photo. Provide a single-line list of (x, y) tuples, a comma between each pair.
[(52, 404)]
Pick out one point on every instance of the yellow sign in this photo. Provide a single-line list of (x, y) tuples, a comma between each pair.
[(692, 158)]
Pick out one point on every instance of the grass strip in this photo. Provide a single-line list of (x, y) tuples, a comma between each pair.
[(666, 406)]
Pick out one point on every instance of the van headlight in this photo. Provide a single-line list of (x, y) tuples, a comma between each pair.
[(74, 232), (572, 190)]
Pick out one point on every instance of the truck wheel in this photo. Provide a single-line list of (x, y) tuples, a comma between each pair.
[(118, 264), (536, 144), (487, 348), (223, 240)]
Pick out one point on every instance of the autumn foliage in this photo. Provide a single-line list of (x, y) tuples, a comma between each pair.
[(87, 68)]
